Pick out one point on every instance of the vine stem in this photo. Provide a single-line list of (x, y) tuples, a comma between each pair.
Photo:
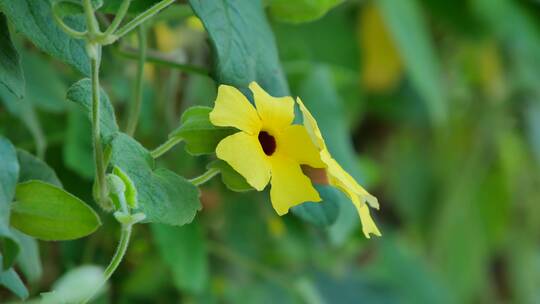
[(166, 146), (156, 58), (117, 258), (135, 110), (142, 18), (96, 136), (73, 33), (91, 21), (118, 18), (206, 176), (93, 50)]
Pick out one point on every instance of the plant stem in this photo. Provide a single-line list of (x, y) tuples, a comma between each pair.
[(120, 251), (120, 14), (166, 146), (96, 133), (142, 17), (117, 258), (135, 110), (206, 176), (91, 21), (159, 60), (71, 32)]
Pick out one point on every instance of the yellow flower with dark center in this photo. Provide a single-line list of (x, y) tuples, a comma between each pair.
[(268, 147), (339, 178)]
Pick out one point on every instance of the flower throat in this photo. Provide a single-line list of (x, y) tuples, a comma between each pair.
[(268, 143)]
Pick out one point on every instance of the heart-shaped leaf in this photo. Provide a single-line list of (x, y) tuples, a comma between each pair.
[(200, 135), (11, 74), (81, 94), (323, 213), (34, 19), (163, 196), (244, 45)]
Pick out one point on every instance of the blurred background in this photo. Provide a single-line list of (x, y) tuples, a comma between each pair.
[(433, 105)]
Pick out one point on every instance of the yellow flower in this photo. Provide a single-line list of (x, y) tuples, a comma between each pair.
[(339, 178), (268, 146)]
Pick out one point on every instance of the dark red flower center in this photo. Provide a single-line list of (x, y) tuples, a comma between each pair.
[(268, 143)]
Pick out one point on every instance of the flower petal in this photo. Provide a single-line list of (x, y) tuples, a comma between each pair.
[(276, 112), (232, 109), (311, 126), (337, 175), (368, 225), (294, 142), (339, 178), (290, 186), (244, 153)]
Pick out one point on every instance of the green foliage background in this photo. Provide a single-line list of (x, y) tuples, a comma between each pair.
[(432, 105)]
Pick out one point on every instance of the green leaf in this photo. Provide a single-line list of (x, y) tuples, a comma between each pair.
[(243, 42), (74, 7), (163, 196), (28, 260), (9, 173), (81, 94), (184, 250), (232, 179), (77, 151), (33, 168), (406, 24), (68, 288), (24, 110), (49, 213), (11, 74), (200, 135), (301, 10), (34, 19), (323, 213), (11, 280), (46, 95)]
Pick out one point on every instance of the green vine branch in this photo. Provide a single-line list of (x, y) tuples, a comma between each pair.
[(166, 146), (206, 176), (101, 187), (158, 59), (113, 32), (142, 18)]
